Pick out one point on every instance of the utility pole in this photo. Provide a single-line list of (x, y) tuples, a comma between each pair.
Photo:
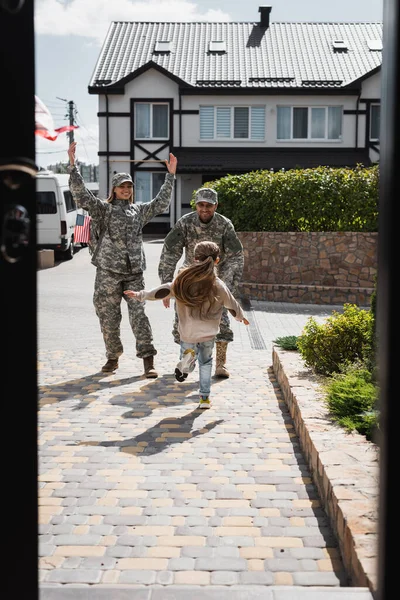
[(71, 117), (71, 113)]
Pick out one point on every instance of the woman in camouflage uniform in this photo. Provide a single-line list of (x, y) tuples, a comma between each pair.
[(119, 258)]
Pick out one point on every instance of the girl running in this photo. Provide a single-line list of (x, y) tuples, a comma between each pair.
[(200, 298)]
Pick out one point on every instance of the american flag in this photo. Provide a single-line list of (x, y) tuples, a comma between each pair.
[(82, 229)]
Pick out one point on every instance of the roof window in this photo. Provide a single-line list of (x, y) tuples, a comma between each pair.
[(163, 47), (374, 45), (217, 46), (339, 45)]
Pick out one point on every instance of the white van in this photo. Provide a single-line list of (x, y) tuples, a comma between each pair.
[(55, 214)]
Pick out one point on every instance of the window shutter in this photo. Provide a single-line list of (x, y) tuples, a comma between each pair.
[(206, 122), (223, 122), (257, 122)]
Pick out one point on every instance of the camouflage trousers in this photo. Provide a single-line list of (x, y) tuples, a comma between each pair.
[(225, 333), (108, 293)]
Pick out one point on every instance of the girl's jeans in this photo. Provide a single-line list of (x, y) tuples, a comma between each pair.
[(204, 355)]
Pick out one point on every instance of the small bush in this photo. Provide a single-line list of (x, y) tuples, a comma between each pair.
[(351, 398), (343, 338), (288, 342)]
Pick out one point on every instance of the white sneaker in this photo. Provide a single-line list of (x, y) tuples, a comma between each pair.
[(186, 365), (204, 403)]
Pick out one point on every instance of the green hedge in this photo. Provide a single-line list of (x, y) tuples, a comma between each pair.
[(321, 199)]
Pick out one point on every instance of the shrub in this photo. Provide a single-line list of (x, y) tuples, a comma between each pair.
[(351, 399), (320, 199), (288, 342), (343, 338)]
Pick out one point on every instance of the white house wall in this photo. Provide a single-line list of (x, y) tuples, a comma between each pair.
[(371, 87), (371, 90), (150, 84)]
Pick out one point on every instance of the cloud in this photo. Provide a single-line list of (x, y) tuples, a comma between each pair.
[(92, 18)]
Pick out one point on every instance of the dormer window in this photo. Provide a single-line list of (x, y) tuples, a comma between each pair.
[(217, 46), (375, 45), (339, 45), (163, 47)]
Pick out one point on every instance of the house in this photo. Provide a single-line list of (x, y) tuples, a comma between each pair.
[(234, 97)]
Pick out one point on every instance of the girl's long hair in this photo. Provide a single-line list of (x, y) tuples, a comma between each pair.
[(194, 286)]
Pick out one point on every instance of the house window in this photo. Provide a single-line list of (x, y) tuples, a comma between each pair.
[(232, 123), (375, 119), (147, 186), (309, 123), (151, 120)]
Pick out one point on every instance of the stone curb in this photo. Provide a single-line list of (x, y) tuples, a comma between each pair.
[(344, 468), (114, 592)]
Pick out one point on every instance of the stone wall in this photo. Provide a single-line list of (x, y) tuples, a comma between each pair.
[(309, 267)]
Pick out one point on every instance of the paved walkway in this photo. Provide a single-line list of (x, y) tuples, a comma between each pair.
[(142, 493)]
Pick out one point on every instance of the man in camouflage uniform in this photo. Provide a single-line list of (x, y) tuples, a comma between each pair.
[(205, 224), (119, 257)]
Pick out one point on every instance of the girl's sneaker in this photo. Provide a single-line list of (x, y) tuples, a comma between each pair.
[(186, 365), (204, 403)]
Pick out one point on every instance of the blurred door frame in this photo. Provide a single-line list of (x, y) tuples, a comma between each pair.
[(387, 300), (18, 298)]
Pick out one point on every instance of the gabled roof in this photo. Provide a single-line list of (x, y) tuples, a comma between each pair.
[(284, 55)]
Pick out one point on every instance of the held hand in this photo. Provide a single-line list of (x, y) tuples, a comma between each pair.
[(132, 294), (171, 165), (166, 302), (246, 322), (71, 153)]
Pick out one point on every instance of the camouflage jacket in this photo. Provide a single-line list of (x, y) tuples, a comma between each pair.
[(121, 247), (188, 231)]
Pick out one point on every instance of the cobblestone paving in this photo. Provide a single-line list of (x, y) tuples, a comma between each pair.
[(137, 486)]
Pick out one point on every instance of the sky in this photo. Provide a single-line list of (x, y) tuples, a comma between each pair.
[(69, 35)]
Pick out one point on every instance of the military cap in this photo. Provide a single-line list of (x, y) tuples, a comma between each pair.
[(120, 178), (206, 195)]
